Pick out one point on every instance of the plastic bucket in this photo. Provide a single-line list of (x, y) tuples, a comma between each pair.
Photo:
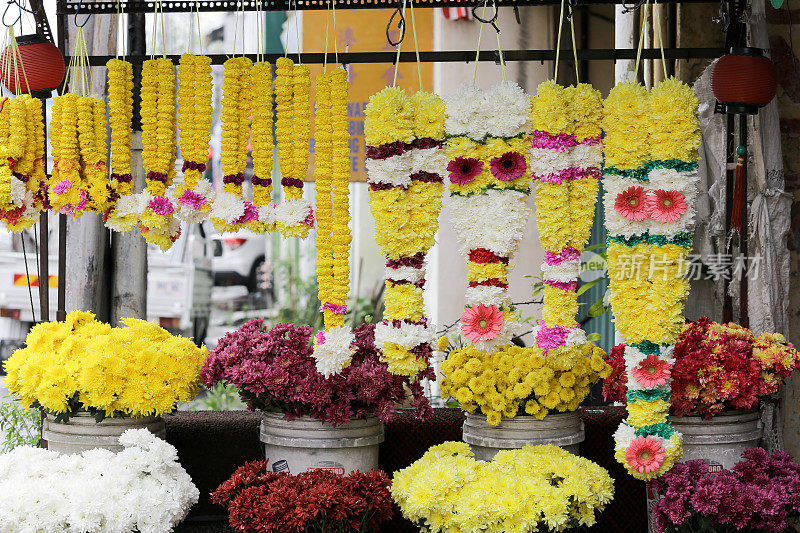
[(305, 443), (721, 440), (561, 429), (82, 432)]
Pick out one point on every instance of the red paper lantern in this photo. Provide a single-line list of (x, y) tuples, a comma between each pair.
[(42, 61), (744, 80)]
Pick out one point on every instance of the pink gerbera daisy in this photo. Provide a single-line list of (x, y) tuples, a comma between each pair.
[(652, 372), (634, 204), (509, 166), (464, 169), (668, 206), (481, 322), (645, 454)]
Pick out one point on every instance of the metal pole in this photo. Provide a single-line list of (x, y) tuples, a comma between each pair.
[(129, 250), (44, 244), (744, 319)]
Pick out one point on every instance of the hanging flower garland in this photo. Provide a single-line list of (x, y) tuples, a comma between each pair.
[(405, 164), (157, 221), (566, 156), (92, 145), (294, 216), (333, 349), (261, 133), (650, 182), (67, 190), (124, 214), (21, 211), (192, 198), (231, 211), (489, 171)]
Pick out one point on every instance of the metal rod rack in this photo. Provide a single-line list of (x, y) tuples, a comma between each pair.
[(457, 56), (69, 7)]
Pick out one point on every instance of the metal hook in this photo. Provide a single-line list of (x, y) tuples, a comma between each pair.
[(401, 25), (8, 6), (77, 12), (492, 21)]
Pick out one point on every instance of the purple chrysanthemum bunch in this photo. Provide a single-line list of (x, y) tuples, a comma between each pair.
[(274, 369), (760, 493)]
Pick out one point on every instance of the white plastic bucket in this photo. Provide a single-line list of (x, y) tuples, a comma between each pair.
[(721, 440), (82, 432), (561, 429), (306, 444)]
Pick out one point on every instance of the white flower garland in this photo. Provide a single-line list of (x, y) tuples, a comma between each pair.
[(334, 349)]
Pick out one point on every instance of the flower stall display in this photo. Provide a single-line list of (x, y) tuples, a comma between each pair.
[(81, 364), (650, 182), (231, 211), (258, 499), (124, 213), (334, 347), (141, 489), (275, 370), (532, 489), (405, 164), (566, 157), (157, 220), (760, 493), (193, 197), (294, 216), (488, 169), (717, 367)]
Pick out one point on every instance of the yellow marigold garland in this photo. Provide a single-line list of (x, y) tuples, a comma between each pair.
[(231, 212), (294, 217), (333, 349), (120, 105), (92, 142), (192, 198), (22, 211), (67, 192), (262, 148), (157, 221)]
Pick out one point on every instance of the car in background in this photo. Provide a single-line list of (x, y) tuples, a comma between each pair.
[(240, 259)]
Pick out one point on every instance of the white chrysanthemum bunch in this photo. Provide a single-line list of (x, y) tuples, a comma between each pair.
[(143, 488)]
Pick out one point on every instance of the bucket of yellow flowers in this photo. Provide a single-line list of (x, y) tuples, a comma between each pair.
[(94, 382), (514, 396)]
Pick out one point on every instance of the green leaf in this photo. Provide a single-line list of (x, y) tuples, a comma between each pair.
[(593, 337), (586, 286), (594, 247), (597, 308), (452, 403)]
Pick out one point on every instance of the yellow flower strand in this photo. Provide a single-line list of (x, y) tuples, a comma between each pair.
[(120, 104), (323, 179), (262, 135)]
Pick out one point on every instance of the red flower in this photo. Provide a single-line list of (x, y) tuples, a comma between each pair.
[(481, 322), (634, 204), (464, 169), (668, 206), (509, 166)]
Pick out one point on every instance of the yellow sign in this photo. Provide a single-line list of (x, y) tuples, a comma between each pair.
[(365, 31)]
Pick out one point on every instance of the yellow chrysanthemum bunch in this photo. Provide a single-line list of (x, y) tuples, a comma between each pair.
[(389, 118), (673, 126), (120, 105), (512, 380), (82, 364), (448, 491)]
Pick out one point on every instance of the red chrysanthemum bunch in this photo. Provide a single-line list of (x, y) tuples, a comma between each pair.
[(274, 369), (717, 367), (260, 501)]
